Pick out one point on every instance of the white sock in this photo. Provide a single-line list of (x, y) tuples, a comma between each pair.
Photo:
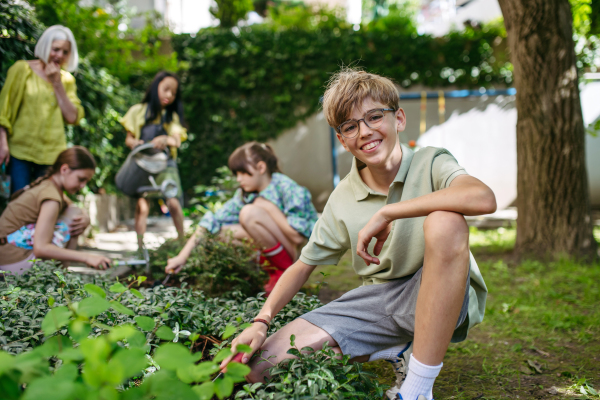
[(389, 353), (419, 380)]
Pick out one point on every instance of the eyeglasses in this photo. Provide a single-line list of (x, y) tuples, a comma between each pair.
[(372, 119)]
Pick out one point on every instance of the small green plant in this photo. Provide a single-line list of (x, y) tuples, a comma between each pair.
[(320, 374), (214, 266), (212, 197)]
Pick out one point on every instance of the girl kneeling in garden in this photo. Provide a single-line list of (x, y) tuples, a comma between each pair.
[(158, 119), (269, 208), (39, 222)]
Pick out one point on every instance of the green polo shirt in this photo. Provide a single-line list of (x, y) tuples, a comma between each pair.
[(353, 203)]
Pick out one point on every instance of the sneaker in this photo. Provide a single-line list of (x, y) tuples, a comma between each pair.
[(400, 366)]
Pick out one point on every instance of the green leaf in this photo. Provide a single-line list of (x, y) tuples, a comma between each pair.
[(55, 319), (237, 370), (137, 293), (127, 332), (243, 348), (79, 329), (49, 388), (223, 354), (92, 306), (229, 330), (127, 363), (51, 301), (118, 288), (205, 391), (94, 290), (6, 362), (118, 307), (141, 279), (172, 356), (54, 346), (67, 371), (223, 387), (165, 333), (71, 354), (96, 350), (146, 323)]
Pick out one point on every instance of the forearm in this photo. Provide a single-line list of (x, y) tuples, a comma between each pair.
[(286, 288), (174, 141), (192, 243), (463, 199), (52, 252), (3, 135), (68, 109)]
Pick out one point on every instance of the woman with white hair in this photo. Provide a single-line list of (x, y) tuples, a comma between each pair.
[(37, 99)]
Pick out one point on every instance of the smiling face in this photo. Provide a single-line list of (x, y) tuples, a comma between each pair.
[(60, 52), (375, 147), (73, 180), (167, 91)]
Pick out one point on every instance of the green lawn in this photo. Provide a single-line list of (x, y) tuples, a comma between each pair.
[(540, 338)]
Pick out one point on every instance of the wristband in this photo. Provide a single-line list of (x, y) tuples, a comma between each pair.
[(262, 321)]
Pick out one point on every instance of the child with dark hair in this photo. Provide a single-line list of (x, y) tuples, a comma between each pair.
[(158, 119), (269, 208), (39, 223)]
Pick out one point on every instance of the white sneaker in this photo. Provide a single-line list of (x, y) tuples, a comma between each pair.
[(400, 366)]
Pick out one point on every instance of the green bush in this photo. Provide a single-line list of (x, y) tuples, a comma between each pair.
[(214, 267), (255, 83), (91, 336)]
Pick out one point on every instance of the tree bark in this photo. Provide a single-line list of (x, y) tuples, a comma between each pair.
[(552, 186)]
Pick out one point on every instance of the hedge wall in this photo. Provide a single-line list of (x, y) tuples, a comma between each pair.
[(256, 82)]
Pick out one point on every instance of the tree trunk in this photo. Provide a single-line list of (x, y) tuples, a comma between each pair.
[(552, 185)]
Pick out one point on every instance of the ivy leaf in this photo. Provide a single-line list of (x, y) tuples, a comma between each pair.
[(137, 293), (223, 354), (165, 333), (79, 329), (92, 306), (118, 288), (94, 290), (146, 323), (205, 391), (243, 348), (118, 307), (172, 356), (229, 330), (55, 319), (223, 387), (237, 371)]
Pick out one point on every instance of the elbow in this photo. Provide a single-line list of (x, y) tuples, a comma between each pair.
[(487, 202), (40, 251)]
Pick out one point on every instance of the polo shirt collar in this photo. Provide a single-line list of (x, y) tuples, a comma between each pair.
[(361, 190)]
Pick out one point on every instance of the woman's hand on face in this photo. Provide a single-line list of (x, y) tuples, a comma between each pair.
[(97, 262), (253, 336), (160, 142), (174, 265), (78, 224), (52, 72), (379, 228)]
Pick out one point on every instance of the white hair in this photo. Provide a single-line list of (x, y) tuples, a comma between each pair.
[(44, 45)]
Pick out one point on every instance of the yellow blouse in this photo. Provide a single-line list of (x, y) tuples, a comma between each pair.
[(135, 119), (30, 113)]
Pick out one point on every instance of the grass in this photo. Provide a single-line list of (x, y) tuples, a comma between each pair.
[(540, 338)]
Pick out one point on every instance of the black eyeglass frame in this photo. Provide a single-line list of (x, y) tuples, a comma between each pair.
[(339, 128)]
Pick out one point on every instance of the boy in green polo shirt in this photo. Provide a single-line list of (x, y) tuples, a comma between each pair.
[(420, 282)]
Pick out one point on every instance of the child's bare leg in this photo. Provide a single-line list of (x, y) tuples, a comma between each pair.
[(233, 233), (279, 217), (262, 228), (442, 290), (142, 210), (307, 335), (177, 215)]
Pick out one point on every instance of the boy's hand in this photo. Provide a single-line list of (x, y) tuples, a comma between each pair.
[(175, 264), (253, 336), (379, 228)]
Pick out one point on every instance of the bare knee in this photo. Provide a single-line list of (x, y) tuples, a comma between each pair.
[(143, 209), (447, 232), (249, 214), (173, 203)]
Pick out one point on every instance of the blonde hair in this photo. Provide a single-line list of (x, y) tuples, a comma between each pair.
[(349, 87), (44, 45)]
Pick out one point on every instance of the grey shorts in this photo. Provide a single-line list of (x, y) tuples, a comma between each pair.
[(375, 317)]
